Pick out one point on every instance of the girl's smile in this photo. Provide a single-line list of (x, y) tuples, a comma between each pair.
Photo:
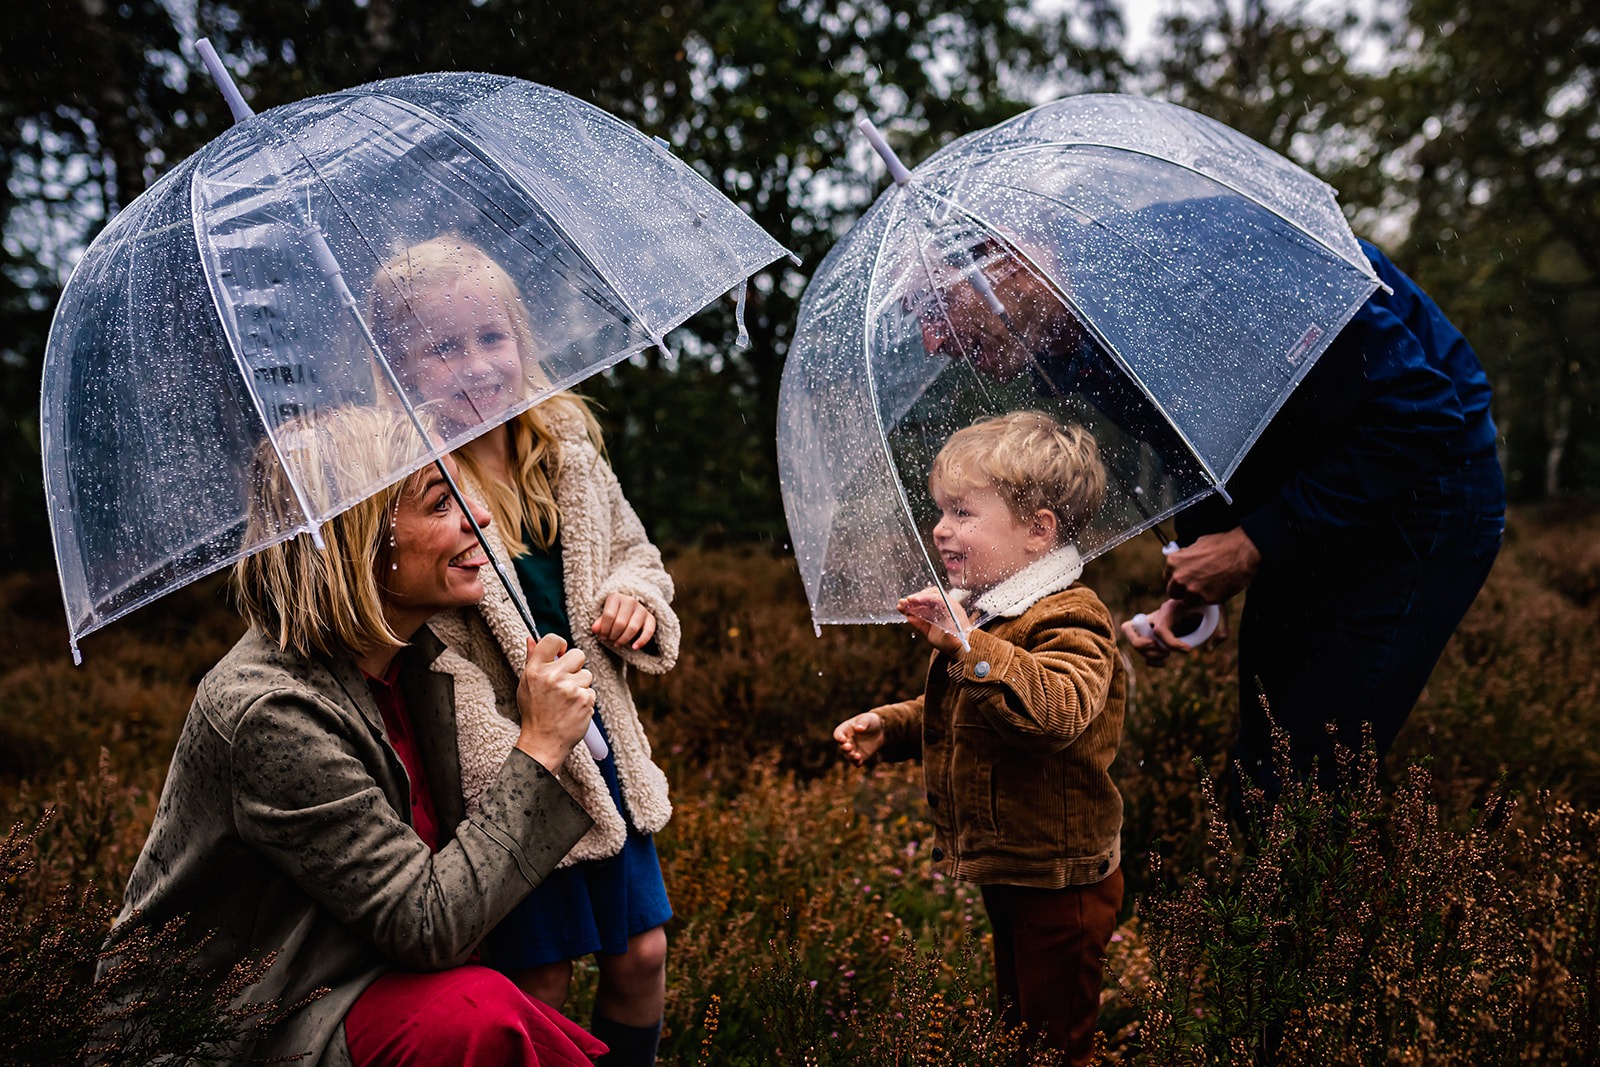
[(464, 360)]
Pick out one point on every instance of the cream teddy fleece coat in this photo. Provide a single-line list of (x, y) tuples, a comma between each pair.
[(604, 550)]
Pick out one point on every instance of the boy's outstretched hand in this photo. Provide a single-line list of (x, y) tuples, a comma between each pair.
[(929, 616), (860, 738)]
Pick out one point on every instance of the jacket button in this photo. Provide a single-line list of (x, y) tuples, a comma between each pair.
[(980, 669), (938, 853), (933, 800), (1105, 865)]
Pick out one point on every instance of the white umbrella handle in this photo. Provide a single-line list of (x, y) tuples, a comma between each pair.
[(1210, 615), (595, 742)]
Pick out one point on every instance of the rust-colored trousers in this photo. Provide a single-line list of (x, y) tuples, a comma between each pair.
[(1048, 948)]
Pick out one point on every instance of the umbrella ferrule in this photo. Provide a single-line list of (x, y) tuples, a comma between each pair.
[(897, 169), (219, 74)]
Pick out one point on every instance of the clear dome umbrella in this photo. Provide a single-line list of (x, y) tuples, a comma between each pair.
[(235, 295), (1121, 264)]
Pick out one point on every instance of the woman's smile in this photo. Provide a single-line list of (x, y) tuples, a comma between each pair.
[(434, 555)]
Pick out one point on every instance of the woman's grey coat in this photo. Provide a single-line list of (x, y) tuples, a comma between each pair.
[(284, 827)]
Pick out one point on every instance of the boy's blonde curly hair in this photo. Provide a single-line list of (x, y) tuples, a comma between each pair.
[(1033, 461)]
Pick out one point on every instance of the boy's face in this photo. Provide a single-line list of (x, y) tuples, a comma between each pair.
[(463, 356), (980, 539)]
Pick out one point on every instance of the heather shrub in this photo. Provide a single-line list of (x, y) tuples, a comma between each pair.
[(1357, 926), (1445, 911), (817, 883), (130, 694), (1516, 694), (753, 678), (154, 1003)]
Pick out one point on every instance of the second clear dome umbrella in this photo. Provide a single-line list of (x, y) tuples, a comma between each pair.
[(1117, 262)]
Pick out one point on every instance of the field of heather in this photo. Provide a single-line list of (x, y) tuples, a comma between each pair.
[(1445, 911)]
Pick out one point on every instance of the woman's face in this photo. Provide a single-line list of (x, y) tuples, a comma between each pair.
[(434, 557), (463, 360)]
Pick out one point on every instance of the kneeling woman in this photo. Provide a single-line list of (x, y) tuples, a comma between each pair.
[(312, 809)]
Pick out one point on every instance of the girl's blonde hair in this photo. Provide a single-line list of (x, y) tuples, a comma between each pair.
[(325, 600), (1033, 461), (528, 504)]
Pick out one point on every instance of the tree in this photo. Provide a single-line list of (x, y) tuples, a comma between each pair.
[(90, 109), (1494, 125), (761, 98)]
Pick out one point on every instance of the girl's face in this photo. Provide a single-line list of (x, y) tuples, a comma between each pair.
[(980, 539), (464, 361), (435, 557)]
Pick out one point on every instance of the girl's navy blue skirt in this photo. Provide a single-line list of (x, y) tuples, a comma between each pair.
[(589, 907)]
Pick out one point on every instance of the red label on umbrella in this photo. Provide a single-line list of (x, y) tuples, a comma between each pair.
[(1302, 346)]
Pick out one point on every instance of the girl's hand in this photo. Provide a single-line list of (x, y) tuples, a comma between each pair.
[(929, 616), (624, 623), (860, 738)]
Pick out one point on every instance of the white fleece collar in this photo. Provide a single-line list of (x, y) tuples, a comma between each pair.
[(1033, 583)]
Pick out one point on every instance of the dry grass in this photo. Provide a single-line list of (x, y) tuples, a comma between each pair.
[(1449, 918)]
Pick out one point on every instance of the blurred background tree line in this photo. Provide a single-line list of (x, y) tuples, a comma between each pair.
[(1461, 135)]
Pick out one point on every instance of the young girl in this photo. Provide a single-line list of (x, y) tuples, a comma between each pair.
[(455, 321)]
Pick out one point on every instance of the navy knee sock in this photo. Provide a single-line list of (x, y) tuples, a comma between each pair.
[(630, 1046)]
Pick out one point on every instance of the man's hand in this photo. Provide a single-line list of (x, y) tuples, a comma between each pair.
[(1213, 569), (1163, 639), (928, 615)]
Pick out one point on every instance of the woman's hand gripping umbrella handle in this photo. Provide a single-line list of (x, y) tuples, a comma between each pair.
[(1210, 615)]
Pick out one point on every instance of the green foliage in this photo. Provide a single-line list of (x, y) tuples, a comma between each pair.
[(1460, 135), (761, 98), (1492, 132)]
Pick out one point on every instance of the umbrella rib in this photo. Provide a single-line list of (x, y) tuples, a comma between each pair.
[(592, 258), (196, 213), (1363, 267)]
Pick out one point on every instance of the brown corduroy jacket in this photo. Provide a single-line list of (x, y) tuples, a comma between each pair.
[(1017, 736)]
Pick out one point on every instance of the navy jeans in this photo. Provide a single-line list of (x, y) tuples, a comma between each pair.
[(1351, 638)]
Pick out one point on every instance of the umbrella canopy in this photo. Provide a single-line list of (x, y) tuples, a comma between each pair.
[(233, 295), (1122, 264)]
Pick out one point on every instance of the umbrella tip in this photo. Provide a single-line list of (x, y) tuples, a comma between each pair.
[(224, 80), (897, 169)]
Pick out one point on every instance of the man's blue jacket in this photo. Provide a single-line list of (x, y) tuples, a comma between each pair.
[(1398, 396)]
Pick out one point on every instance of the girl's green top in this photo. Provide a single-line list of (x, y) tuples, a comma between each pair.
[(540, 575)]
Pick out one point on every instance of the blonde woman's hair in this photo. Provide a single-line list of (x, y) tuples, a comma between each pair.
[(1033, 461), (528, 504), (328, 600)]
